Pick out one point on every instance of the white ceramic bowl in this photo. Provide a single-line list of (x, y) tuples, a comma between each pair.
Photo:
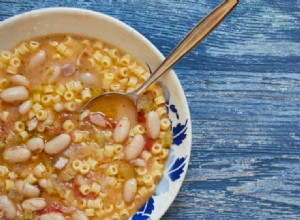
[(93, 24)]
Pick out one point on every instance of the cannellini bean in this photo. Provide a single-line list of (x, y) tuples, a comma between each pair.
[(88, 78), (37, 59), (19, 80), (130, 188), (25, 107), (27, 189), (16, 154), (34, 204), (32, 124), (57, 144), (35, 144), (135, 147), (7, 206), (153, 124), (55, 74), (122, 130), (79, 216), (52, 216), (98, 120), (15, 94)]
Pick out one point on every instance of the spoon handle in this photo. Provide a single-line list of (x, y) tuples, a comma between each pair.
[(192, 39)]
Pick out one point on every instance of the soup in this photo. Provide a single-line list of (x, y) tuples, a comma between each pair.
[(59, 163)]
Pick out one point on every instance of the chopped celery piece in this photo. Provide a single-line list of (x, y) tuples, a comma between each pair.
[(127, 171), (66, 175), (15, 195), (100, 139), (28, 215)]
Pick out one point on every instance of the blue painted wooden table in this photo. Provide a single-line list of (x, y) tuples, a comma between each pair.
[(243, 89)]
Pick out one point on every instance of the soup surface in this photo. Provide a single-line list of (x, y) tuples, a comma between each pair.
[(58, 163)]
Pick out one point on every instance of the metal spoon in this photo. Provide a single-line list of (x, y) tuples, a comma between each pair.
[(118, 104)]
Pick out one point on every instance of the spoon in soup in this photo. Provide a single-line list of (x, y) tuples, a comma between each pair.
[(116, 105)]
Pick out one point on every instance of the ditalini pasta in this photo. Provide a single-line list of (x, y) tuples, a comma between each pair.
[(59, 163)]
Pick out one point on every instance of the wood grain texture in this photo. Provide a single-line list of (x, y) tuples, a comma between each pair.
[(243, 89)]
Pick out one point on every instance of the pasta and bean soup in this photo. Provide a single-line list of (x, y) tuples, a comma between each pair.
[(58, 163)]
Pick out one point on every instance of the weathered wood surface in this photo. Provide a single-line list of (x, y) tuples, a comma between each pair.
[(243, 89)]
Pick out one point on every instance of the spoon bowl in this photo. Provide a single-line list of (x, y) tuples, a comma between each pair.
[(117, 104)]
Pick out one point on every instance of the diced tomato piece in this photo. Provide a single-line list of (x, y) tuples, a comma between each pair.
[(64, 116), (90, 175), (54, 207), (141, 117), (76, 191), (149, 144), (78, 194), (4, 129), (55, 129), (3, 133), (91, 196), (110, 122)]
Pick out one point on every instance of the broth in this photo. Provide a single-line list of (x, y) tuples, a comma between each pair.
[(60, 164)]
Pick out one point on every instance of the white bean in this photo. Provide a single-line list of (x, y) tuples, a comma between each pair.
[(88, 78), (52, 216), (37, 59), (27, 189), (34, 204), (55, 74), (19, 80), (79, 216), (135, 147), (35, 144), (130, 188), (153, 124), (15, 94), (7, 206), (32, 124), (122, 130), (16, 154), (57, 144), (25, 107)]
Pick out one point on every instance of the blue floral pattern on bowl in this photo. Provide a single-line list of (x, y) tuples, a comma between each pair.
[(176, 165)]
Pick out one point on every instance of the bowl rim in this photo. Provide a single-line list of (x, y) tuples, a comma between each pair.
[(116, 21)]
